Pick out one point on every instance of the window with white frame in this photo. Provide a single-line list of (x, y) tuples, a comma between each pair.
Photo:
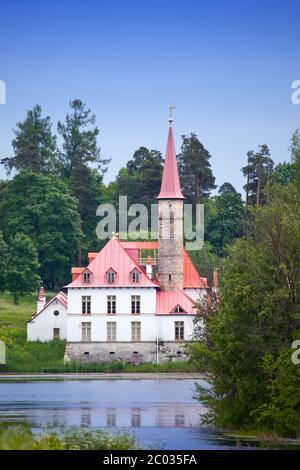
[(111, 331), (86, 305), (135, 304), (136, 331), (111, 304), (86, 277), (86, 331), (179, 330), (111, 276), (135, 275)]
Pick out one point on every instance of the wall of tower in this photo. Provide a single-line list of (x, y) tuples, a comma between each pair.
[(170, 244)]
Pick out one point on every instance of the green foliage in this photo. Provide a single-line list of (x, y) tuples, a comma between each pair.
[(21, 275), (80, 150), (141, 179), (197, 178), (3, 262), (41, 207), (258, 172), (205, 261), (284, 173), (295, 152), (227, 218), (280, 413), (34, 145), (20, 437), (257, 316)]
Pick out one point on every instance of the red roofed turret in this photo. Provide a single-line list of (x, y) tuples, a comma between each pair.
[(170, 185)]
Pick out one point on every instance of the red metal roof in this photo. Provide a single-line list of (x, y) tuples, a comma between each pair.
[(191, 277), (113, 256), (170, 185), (167, 301)]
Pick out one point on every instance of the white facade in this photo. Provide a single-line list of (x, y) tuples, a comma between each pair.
[(152, 326), (49, 322)]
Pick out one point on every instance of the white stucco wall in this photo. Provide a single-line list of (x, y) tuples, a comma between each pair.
[(41, 327), (152, 326), (123, 295), (196, 294)]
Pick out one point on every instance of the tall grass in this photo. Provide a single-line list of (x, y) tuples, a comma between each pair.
[(20, 437)]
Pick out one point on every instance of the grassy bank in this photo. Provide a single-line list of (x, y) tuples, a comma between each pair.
[(20, 437), (23, 356)]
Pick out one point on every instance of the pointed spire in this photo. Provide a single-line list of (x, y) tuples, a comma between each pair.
[(170, 185)]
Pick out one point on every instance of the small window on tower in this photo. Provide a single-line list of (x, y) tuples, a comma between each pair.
[(170, 277)]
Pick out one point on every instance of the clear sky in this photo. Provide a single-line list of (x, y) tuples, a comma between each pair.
[(226, 65)]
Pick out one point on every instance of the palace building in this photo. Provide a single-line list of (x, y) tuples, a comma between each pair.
[(134, 301)]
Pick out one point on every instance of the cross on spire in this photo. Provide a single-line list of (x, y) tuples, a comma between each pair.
[(171, 108)]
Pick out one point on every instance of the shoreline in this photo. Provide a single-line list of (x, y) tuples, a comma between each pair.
[(101, 376)]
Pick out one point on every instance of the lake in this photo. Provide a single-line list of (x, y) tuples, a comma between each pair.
[(161, 413)]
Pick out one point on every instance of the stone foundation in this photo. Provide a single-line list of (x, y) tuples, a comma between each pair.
[(133, 353)]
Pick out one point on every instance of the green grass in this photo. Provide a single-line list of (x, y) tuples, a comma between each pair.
[(23, 356), (20, 437)]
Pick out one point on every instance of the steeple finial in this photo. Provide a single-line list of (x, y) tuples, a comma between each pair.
[(171, 108)]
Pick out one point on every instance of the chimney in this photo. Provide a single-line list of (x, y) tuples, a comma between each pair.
[(41, 299), (149, 266)]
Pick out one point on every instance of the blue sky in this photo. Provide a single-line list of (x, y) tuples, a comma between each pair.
[(227, 67)]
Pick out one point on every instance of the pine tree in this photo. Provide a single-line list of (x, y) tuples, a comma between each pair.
[(197, 178), (22, 267), (34, 145), (79, 151), (258, 172)]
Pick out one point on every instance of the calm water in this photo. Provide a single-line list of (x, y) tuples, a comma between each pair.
[(161, 413)]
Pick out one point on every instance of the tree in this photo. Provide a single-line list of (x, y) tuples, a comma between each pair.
[(227, 218), (258, 172), (295, 151), (257, 318), (206, 261), (79, 151), (284, 173), (195, 170), (41, 207), (34, 145), (3, 262), (141, 179), (22, 267)]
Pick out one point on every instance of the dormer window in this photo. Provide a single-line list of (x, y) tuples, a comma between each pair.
[(111, 276), (178, 309), (135, 276), (87, 277)]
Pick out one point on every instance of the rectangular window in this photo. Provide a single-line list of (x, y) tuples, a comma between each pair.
[(111, 331), (179, 330), (111, 304), (85, 331), (55, 333), (135, 276), (86, 278), (135, 304), (136, 331), (110, 277), (86, 305)]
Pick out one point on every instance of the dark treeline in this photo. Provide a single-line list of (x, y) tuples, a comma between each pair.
[(48, 205)]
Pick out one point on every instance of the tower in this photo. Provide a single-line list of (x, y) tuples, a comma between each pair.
[(170, 221)]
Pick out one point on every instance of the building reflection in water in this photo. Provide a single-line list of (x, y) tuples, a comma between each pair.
[(85, 417), (111, 417), (136, 417)]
